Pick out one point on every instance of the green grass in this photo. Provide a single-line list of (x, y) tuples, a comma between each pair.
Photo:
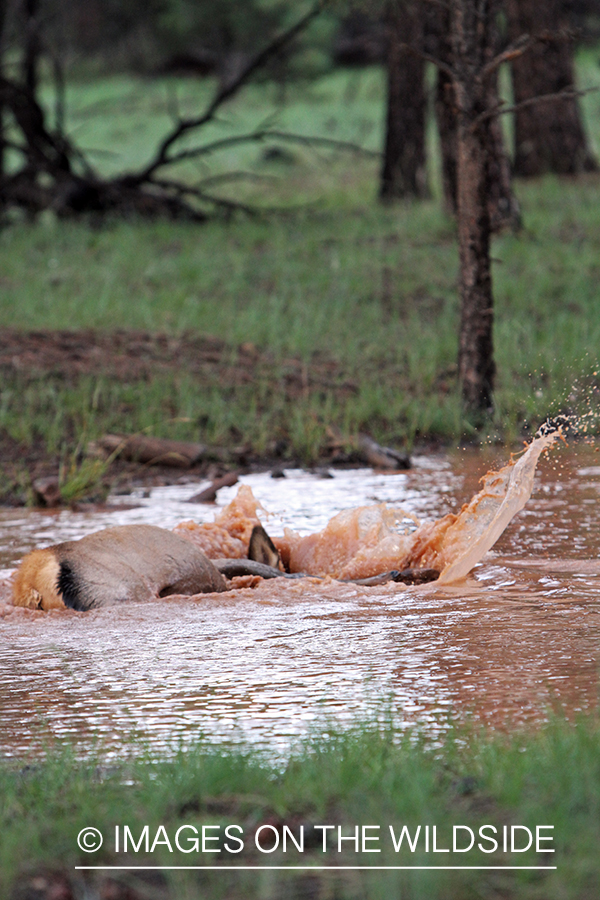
[(372, 289), (366, 776)]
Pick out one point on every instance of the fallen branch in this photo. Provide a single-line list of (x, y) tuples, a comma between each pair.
[(57, 175), (262, 135), (381, 457), (151, 451), (209, 494), (162, 157)]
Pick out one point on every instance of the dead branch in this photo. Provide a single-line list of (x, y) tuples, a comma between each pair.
[(381, 457), (162, 156), (513, 51), (265, 135), (234, 175), (43, 149), (152, 451), (56, 174), (427, 57), (183, 190), (501, 109), (209, 494)]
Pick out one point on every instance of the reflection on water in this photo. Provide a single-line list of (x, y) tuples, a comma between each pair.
[(522, 635)]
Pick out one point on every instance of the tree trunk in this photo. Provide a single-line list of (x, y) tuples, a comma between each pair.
[(549, 137), (32, 46), (445, 114), (503, 206), (403, 172), (476, 367), (473, 47)]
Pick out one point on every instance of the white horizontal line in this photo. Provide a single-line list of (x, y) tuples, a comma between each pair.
[(319, 868)]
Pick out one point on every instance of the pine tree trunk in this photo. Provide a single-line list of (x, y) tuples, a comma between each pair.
[(503, 206), (445, 113), (471, 28), (549, 137), (476, 367), (32, 46), (403, 172)]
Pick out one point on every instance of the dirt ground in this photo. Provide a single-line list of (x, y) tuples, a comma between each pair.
[(131, 356)]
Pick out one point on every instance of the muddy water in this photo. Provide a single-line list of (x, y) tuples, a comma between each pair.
[(520, 636)]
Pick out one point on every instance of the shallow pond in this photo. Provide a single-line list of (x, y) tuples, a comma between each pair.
[(520, 636)]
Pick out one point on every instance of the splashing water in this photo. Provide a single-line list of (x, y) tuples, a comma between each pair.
[(367, 540), (482, 521)]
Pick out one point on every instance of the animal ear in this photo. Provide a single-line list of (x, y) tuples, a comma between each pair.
[(262, 549)]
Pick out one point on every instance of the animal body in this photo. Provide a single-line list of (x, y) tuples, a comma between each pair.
[(137, 562), (128, 562)]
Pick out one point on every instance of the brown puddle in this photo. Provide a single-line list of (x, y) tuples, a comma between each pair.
[(520, 636)]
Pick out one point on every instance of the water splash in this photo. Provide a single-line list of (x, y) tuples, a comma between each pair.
[(481, 522), (368, 540)]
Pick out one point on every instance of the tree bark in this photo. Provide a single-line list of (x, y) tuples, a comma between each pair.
[(445, 114), (503, 206), (440, 45), (31, 47), (403, 173), (473, 47), (549, 137)]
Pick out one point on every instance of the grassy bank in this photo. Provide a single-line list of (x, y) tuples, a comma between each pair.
[(363, 777), (369, 291)]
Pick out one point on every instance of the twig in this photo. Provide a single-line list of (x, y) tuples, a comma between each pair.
[(500, 109), (183, 190), (173, 103), (427, 57), (224, 177), (12, 145), (60, 95), (263, 135), (513, 51), (162, 158), (231, 205)]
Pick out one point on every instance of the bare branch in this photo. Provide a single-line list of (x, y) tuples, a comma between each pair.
[(440, 63), (264, 135), (162, 157), (501, 109), (225, 177), (183, 190), (173, 104), (12, 145), (59, 94), (331, 143), (520, 46), (513, 51)]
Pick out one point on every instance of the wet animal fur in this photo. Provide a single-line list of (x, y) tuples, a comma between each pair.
[(129, 562)]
